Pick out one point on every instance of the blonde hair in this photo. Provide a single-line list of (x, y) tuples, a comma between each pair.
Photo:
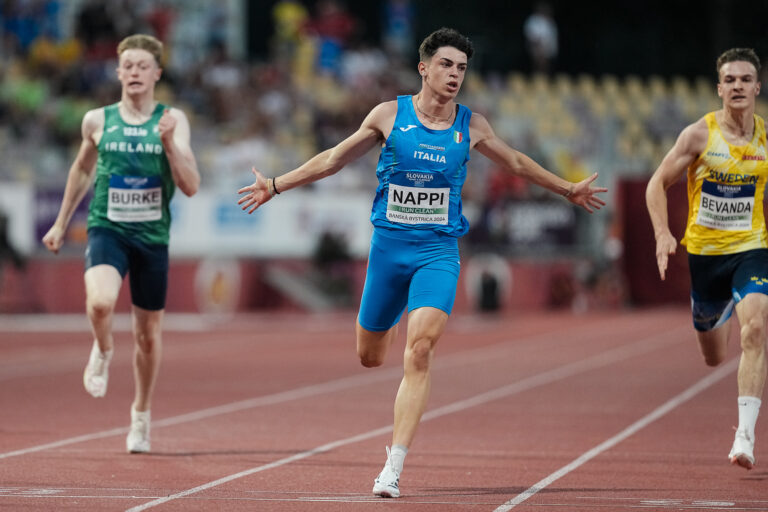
[(142, 42)]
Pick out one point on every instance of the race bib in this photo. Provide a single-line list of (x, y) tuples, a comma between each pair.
[(726, 207), (418, 198), (134, 198)]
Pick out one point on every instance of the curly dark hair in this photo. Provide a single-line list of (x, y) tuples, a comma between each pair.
[(444, 37)]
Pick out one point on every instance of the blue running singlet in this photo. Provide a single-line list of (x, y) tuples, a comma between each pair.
[(417, 219), (421, 172)]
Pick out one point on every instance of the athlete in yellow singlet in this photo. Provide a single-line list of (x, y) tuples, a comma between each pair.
[(724, 154), (725, 193)]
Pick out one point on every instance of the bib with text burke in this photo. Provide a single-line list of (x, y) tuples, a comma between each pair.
[(134, 198), (418, 197), (726, 207)]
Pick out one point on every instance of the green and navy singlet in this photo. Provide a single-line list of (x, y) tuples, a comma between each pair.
[(134, 186)]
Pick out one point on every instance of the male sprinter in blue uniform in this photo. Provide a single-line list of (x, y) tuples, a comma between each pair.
[(414, 258), (138, 151)]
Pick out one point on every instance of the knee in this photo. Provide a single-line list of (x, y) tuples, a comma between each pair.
[(100, 308), (713, 345), (147, 342), (372, 346), (715, 355), (713, 359), (370, 360), (753, 335), (418, 356), (369, 356)]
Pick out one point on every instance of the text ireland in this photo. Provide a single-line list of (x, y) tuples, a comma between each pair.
[(130, 147)]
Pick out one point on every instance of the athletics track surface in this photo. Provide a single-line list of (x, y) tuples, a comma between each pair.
[(529, 412)]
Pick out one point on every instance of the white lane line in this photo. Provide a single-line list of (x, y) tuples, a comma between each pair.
[(284, 396), (458, 359), (591, 363), (490, 352), (64, 442), (56, 323), (662, 410)]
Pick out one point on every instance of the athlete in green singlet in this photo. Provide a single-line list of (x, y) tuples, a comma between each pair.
[(138, 151)]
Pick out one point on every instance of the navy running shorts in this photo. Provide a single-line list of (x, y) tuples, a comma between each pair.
[(145, 264), (719, 282)]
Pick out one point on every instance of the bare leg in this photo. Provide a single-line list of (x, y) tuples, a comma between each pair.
[(147, 331), (372, 346), (102, 286), (425, 326), (753, 314), (714, 343)]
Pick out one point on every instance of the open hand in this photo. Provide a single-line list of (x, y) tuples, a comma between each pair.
[(584, 195), (256, 194)]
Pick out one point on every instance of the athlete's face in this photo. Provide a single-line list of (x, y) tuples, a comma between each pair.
[(137, 71), (738, 85), (444, 72)]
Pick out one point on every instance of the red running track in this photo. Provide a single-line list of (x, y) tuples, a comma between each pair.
[(544, 411)]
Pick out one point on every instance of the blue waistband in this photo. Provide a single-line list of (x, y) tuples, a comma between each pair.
[(412, 234)]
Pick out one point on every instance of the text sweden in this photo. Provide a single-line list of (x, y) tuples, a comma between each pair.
[(727, 177)]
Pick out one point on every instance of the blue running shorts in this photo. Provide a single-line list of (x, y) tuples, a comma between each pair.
[(718, 283), (409, 268), (146, 264)]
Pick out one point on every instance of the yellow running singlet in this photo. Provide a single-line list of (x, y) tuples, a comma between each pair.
[(726, 185)]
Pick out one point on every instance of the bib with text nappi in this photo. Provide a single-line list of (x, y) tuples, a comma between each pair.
[(418, 197), (726, 207), (134, 198)]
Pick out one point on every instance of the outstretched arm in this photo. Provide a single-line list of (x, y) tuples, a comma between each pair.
[(490, 145), (79, 179), (321, 165), (689, 144)]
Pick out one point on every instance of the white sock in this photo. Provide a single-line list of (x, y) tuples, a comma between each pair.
[(749, 407), (107, 356), (397, 456), (140, 415)]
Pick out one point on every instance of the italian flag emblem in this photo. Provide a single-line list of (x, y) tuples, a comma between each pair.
[(458, 137)]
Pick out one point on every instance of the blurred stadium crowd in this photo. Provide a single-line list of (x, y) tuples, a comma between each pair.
[(57, 60)]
